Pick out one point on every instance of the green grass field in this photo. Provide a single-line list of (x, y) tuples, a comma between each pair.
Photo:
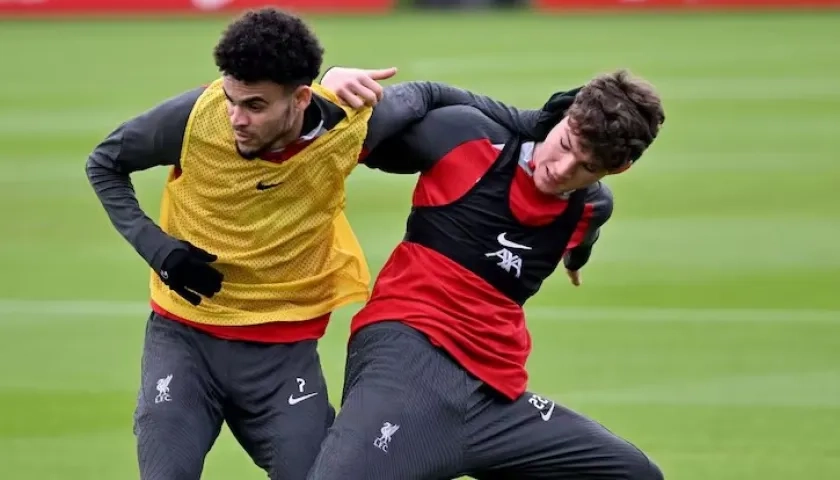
[(707, 330)]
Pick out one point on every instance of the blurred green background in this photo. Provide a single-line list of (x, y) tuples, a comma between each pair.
[(707, 330)]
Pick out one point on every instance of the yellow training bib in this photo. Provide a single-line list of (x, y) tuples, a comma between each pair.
[(288, 253)]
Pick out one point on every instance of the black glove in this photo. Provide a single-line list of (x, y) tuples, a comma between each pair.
[(554, 110), (188, 273)]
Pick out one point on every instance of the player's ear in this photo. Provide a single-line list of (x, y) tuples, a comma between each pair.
[(620, 169), (302, 96)]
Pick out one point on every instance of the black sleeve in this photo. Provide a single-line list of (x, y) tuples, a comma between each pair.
[(404, 104), (599, 203), (153, 138), (419, 147)]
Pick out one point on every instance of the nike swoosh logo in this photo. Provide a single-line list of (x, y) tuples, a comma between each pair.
[(547, 415), (266, 186), (507, 243), (295, 400)]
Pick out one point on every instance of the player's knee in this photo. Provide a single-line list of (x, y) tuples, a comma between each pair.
[(640, 467), (166, 454), (150, 419), (656, 473), (189, 431)]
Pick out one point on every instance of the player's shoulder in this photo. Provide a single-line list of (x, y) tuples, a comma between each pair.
[(164, 124), (600, 197), (599, 191)]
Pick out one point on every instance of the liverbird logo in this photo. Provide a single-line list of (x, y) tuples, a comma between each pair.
[(388, 430)]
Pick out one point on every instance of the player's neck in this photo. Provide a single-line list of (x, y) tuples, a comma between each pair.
[(289, 137)]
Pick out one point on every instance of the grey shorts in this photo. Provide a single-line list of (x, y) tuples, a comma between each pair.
[(273, 398), (410, 412)]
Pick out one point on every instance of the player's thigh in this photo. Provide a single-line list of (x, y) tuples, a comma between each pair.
[(535, 438), (377, 436), (178, 414), (395, 422), (279, 409)]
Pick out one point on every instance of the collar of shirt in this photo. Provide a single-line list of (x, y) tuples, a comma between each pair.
[(526, 158)]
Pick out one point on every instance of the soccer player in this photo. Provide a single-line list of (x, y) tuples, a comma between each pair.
[(252, 250), (435, 380)]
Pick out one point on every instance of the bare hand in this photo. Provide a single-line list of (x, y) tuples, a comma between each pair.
[(574, 276), (357, 87)]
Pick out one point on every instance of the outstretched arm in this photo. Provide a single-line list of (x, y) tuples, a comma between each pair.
[(399, 106), (405, 103)]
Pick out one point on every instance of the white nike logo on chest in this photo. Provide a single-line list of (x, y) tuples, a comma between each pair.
[(508, 244)]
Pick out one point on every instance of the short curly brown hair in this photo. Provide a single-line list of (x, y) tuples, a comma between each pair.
[(616, 117)]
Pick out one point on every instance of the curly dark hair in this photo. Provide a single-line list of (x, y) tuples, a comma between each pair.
[(616, 117), (269, 44)]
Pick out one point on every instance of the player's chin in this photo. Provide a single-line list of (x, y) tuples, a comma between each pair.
[(547, 187), (248, 152)]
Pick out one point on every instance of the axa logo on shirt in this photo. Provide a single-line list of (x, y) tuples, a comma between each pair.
[(508, 260)]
